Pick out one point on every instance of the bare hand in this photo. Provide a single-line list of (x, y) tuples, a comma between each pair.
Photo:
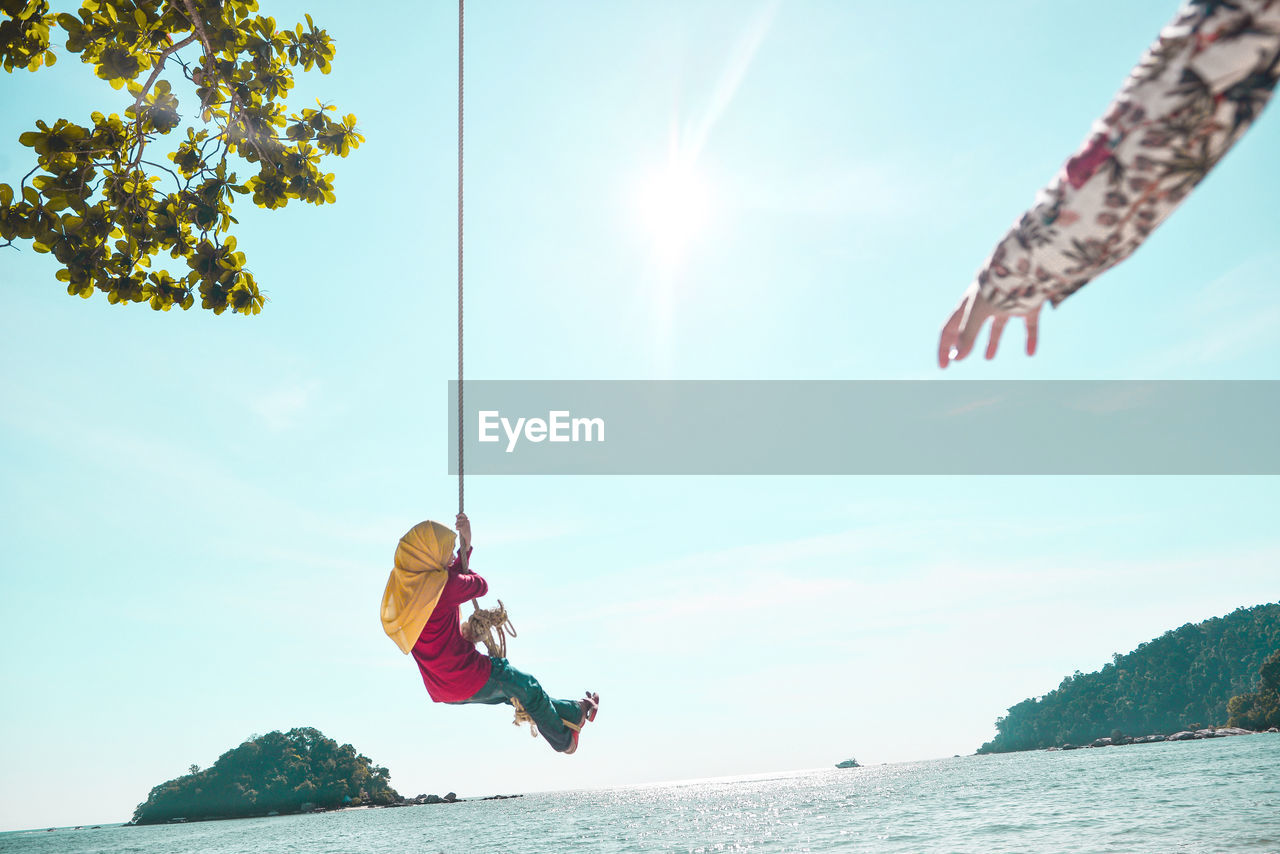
[(463, 525), (962, 328)]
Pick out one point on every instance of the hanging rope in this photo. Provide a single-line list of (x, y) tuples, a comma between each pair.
[(484, 622), (461, 493)]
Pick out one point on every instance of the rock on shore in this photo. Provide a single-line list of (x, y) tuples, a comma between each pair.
[(1183, 735), (450, 798)]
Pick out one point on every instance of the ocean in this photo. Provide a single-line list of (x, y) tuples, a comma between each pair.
[(1205, 796)]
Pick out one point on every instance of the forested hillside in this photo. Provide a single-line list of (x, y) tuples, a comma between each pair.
[(277, 772), (1182, 679), (1259, 709)]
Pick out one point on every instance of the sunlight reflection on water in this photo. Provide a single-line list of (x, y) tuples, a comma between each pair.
[(1218, 795)]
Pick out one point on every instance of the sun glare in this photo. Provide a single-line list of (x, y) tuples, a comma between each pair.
[(674, 205)]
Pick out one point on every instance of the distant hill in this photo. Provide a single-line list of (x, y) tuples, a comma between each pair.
[(1182, 679), (278, 772)]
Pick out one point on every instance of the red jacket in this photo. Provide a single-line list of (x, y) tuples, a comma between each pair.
[(451, 667)]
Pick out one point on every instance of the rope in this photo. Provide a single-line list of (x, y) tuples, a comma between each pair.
[(482, 625), (461, 31), (523, 717), (483, 622)]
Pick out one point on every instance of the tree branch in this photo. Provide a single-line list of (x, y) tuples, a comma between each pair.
[(197, 24), (208, 77), (142, 144), (176, 179), (22, 185), (160, 61), (142, 95)]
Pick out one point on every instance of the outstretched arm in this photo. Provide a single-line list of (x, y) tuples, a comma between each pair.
[(1191, 96)]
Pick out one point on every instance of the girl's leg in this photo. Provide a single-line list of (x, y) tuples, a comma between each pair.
[(569, 710), (526, 689), (491, 693), (481, 697)]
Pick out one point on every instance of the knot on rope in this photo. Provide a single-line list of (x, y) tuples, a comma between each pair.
[(482, 625), (523, 717)]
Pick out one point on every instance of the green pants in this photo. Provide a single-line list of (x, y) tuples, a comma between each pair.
[(549, 714)]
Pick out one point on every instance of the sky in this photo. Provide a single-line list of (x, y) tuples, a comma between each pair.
[(200, 512)]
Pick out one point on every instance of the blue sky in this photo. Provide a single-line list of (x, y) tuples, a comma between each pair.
[(200, 511)]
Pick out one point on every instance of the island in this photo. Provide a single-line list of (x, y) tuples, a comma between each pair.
[(1172, 688), (280, 773)]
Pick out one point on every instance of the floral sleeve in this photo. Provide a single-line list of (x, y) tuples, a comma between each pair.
[(1192, 95)]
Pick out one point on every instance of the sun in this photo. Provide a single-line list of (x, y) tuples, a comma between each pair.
[(674, 205)]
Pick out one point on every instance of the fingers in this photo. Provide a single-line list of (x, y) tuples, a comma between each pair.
[(962, 329), (1033, 330), (969, 331), (950, 335), (997, 329)]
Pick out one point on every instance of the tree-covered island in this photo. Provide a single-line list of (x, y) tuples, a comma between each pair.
[(289, 772), (1224, 669)]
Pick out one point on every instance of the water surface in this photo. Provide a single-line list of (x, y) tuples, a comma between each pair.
[(1205, 796)]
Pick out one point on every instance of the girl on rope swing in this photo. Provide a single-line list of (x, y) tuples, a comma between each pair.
[(420, 613)]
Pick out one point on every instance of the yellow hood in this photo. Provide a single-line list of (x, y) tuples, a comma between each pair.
[(422, 558)]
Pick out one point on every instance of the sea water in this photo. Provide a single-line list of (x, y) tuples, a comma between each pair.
[(1204, 796)]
